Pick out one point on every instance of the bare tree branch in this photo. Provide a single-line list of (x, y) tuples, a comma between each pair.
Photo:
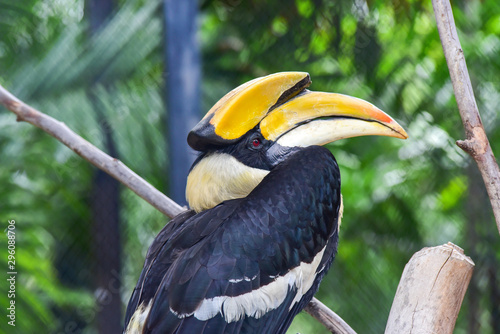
[(328, 318), (131, 180), (89, 152), (476, 144)]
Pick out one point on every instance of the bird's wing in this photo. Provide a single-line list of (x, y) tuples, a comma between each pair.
[(147, 278), (181, 233)]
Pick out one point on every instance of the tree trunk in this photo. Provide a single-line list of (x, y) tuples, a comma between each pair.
[(104, 202), (431, 291), (183, 89)]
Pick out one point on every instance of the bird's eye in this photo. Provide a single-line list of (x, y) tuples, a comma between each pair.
[(256, 142)]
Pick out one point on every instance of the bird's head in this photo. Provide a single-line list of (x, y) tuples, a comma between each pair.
[(259, 124)]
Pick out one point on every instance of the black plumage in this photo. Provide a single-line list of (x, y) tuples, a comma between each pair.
[(268, 209), (242, 246)]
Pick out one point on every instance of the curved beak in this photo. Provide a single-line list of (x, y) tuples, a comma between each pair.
[(286, 112), (317, 118), (244, 107)]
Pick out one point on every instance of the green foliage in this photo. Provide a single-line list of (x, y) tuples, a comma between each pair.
[(46, 185), (399, 196)]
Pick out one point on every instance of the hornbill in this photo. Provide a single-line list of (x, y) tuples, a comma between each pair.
[(265, 211)]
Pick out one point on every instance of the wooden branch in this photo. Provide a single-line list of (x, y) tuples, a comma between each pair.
[(89, 152), (131, 180), (476, 144), (329, 319), (431, 291)]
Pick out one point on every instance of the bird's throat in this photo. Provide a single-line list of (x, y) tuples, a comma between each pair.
[(220, 177)]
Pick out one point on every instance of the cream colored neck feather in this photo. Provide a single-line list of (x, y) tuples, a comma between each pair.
[(220, 177)]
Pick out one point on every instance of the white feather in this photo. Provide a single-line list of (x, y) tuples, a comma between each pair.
[(260, 301)]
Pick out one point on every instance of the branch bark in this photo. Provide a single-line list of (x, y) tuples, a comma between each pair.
[(89, 152), (431, 291), (131, 180), (328, 318), (476, 144)]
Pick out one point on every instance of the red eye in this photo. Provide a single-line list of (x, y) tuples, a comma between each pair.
[(256, 142)]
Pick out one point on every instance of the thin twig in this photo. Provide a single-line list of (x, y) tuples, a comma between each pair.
[(131, 180), (476, 144)]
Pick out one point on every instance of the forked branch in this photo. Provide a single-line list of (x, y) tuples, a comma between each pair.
[(476, 144)]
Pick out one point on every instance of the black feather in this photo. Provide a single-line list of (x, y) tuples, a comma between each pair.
[(241, 245)]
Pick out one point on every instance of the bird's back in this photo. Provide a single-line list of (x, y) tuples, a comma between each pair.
[(248, 265)]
